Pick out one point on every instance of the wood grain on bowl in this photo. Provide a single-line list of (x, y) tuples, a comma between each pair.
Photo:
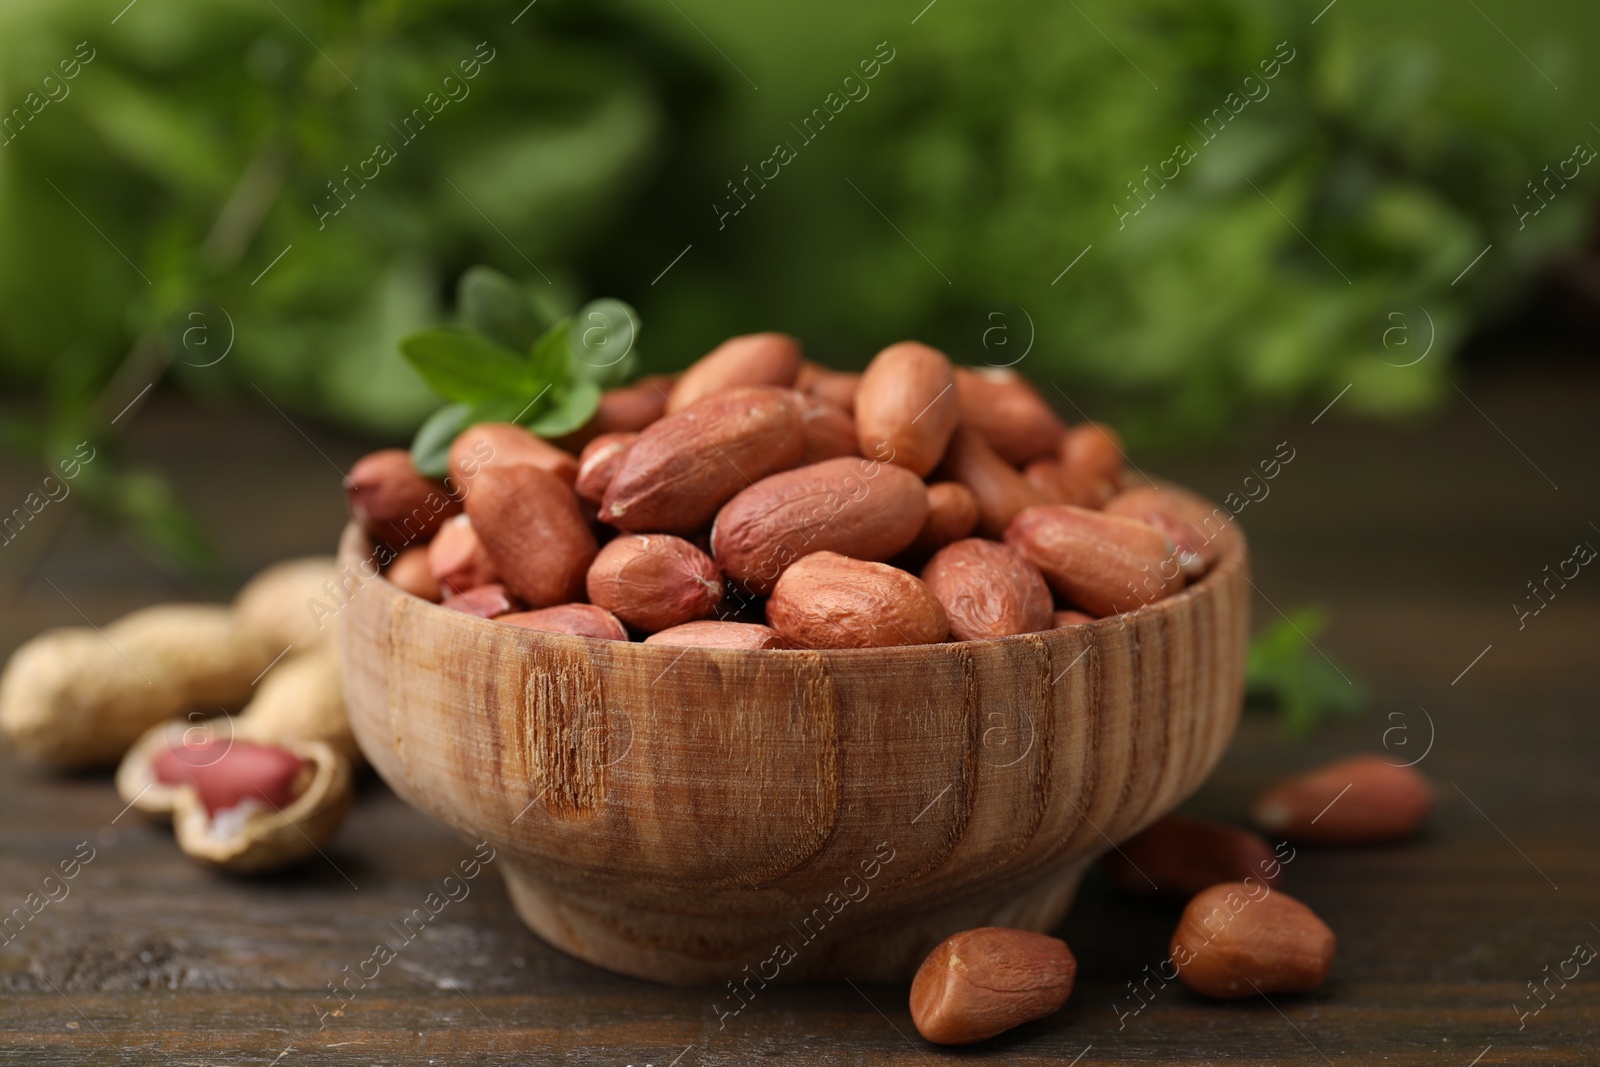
[(678, 813)]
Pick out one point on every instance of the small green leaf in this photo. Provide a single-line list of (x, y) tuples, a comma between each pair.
[(466, 367), (547, 360), (1285, 670), (572, 405), (500, 309), (603, 337), (430, 449)]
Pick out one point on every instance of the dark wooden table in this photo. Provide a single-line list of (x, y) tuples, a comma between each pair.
[(1418, 538)]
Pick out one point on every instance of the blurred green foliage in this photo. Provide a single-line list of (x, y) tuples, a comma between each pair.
[(192, 167), (1287, 673)]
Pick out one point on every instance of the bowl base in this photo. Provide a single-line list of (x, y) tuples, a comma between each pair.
[(677, 949)]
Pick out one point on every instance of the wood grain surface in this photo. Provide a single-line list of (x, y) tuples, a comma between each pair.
[(1417, 538), (699, 815)]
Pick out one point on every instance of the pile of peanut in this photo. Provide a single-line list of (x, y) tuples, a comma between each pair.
[(763, 501), (1239, 935), (156, 693)]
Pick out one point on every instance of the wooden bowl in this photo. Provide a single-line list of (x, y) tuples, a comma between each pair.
[(710, 815)]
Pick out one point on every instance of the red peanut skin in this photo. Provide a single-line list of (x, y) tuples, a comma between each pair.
[(1182, 855), (952, 515), (626, 410), (988, 590), (686, 466), (1052, 478), (484, 601), (392, 503), (1001, 492), (633, 407), (411, 573), (837, 387), (539, 542), (831, 601), (225, 773), (579, 620), (754, 359), (712, 633), (980, 983), (502, 444), (599, 463), (1384, 802), (830, 432), (457, 558), (1000, 406), (1093, 451), (653, 582), (1062, 619), (856, 507), (1233, 942), (907, 401), (1198, 529), (1103, 564)]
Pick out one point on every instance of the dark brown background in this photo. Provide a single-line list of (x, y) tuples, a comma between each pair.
[(1418, 538)]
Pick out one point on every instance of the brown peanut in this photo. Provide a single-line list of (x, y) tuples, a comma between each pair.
[(391, 502), (831, 601), (1178, 856), (1000, 491), (906, 406), (712, 633), (1052, 478), (1062, 619), (654, 582), (1197, 529), (1241, 939), (580, 620), (529, 523), (1000, 406), (1357, 800), (980, 983), (1093, 452), (457, 558), (1103, 564), (686, 466), (503, 444), (837, 387), (633, 407), (829, 431), (988, 590), (952, 515), (754, 359), (410, 572), (856, 507), (601, 459)]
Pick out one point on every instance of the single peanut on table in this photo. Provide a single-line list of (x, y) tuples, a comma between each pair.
[(1241, 939), (1358, 800), (1178, 856), (980, 983)]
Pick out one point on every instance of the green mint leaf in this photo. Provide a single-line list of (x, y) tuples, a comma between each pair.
[(468, 368), (430, 449), (1287, 672), (547, 360), (570, 407), (603, 339), (500, 309)]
